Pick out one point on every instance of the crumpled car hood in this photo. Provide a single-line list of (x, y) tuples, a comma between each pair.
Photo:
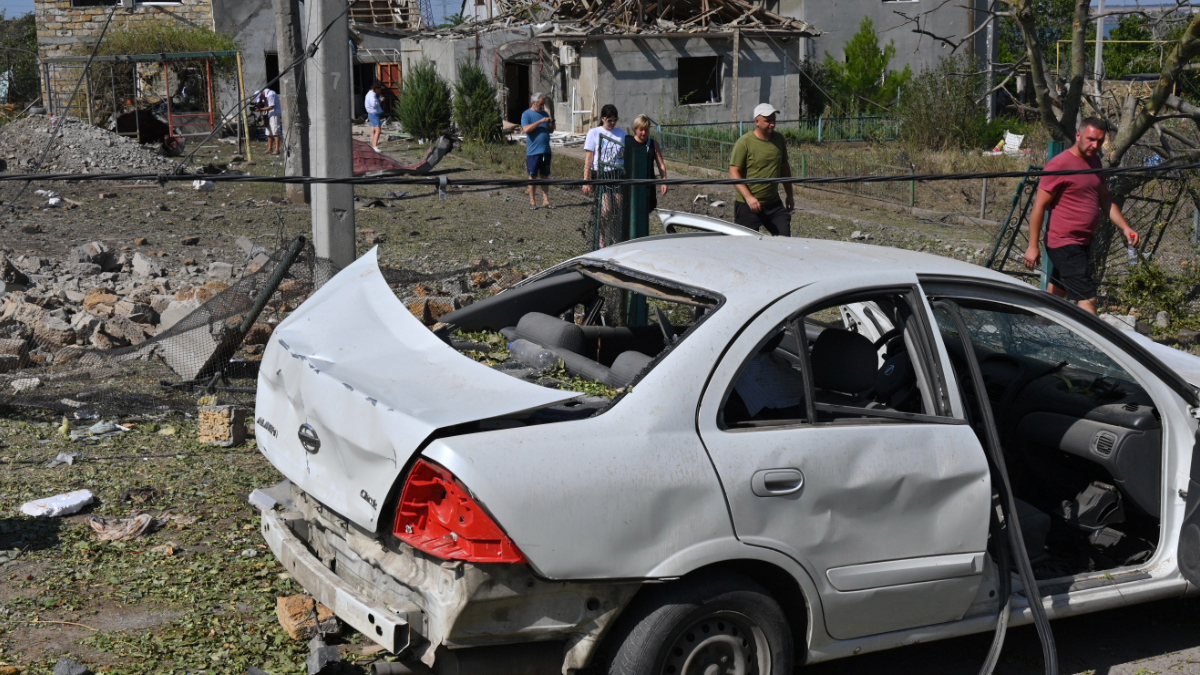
[(373, 383)]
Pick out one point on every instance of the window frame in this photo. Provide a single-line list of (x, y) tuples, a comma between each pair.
[(927, 362), (950, 287), (720, 80)]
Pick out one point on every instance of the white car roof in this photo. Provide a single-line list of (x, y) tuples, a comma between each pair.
[(748, 267)]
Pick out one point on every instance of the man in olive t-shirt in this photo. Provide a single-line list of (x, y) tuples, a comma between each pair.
[(762, 153)]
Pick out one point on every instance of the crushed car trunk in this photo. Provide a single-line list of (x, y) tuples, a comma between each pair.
[(351, 385)]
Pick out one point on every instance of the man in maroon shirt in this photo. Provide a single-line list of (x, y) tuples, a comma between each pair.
[(1076, 203)]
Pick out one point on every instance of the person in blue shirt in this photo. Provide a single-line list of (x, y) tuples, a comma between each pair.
[(537, 124)]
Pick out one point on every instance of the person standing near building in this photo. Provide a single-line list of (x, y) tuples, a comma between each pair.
[(613, 151), (1076, 203), (537, 124), (268, 102), (641, 134), (374, 105), (762, 153)]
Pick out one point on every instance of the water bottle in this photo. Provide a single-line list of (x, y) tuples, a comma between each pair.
[(1132, 254), (532, 355)]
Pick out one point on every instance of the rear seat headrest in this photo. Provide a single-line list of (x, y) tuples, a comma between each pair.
[(552, 332), (627, 366)]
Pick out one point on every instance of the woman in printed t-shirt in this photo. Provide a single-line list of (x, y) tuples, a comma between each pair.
[(606, 143)]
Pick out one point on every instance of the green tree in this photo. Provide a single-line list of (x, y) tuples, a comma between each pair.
[(862, 84), (18, 52), (423, 106), (453, 20), (475, 109)]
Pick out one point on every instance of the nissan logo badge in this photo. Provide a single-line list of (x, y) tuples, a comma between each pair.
[(309, 439), (886, 371)]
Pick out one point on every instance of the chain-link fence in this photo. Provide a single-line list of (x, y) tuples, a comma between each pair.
[(1163, 209)]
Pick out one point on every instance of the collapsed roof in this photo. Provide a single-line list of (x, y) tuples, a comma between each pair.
[(387, 13), (582, 18)]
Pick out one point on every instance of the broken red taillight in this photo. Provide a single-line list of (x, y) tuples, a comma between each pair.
[(438, 516)]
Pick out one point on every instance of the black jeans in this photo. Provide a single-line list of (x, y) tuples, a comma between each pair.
[(773, 216)]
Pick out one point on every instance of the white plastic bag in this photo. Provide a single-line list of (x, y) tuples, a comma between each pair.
[(58, 505), (203, 185)]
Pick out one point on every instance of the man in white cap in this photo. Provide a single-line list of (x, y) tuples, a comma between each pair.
[(762, 153)]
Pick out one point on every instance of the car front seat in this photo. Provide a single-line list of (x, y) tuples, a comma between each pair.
[(844, 366)]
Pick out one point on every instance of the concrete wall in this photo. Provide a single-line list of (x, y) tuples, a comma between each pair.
[(638, 75), (63, 29), (839, 21), (641, 75), (252, 23)]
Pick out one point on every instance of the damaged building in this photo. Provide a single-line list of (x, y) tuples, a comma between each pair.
[(681, 60)]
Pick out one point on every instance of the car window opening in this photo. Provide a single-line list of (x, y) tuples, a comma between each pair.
[(859, 356), (591, 329), (1081, 437)]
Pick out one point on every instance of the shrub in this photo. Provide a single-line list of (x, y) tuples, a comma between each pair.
[(475, 109), (423, 106), (862, 84), (166, 37), (940, 109)]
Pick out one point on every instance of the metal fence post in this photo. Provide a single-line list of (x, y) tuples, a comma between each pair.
[(820, 121), (912, 189), (689, 139), (804, 166)]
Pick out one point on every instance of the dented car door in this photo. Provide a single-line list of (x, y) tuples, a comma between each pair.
[(888, 515)]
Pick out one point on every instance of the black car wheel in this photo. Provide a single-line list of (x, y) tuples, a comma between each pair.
[(714, 625)]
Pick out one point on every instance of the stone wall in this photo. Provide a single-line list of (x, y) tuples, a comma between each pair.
[(62, 28)]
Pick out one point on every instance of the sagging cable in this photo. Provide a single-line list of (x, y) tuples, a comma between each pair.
[(1015, 541)]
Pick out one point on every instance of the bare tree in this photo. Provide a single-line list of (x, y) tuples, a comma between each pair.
[(1060, 104)]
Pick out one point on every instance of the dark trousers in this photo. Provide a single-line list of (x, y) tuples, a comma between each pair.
[(773, 216)]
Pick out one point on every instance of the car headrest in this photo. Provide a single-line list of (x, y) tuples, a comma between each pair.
[(551, 332), (628, 364), (843, 361)]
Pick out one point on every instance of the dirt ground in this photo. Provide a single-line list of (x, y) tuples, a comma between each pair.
[(208, 603)]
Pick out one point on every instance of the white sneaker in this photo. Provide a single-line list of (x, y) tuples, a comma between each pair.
[(375, 149)]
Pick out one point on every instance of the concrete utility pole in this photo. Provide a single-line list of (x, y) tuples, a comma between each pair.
[(328, 77), (291, 96)]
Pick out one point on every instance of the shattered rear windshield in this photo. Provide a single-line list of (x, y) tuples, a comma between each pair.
[(586, 328)]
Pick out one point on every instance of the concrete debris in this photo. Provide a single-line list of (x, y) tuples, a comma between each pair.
[(303, 617), (58, 505), (80, 147), (64, 457), (68, 666), (222, 425), (322, 658)]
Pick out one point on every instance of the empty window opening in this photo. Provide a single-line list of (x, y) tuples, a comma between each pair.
[(699, 80)]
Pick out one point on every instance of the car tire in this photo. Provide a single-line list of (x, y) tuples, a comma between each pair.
[(690, 626)]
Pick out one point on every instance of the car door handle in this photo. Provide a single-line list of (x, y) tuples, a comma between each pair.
[(776, 482)]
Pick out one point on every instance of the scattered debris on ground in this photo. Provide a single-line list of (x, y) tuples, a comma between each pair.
[(121, 529), (304, 618), (58, 505), (80, 147)]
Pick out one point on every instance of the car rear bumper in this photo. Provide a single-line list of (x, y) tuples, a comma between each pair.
[(392, 628), (424, 608)]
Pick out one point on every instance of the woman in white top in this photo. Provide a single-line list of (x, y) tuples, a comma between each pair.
[(375, 114), (613, 150)]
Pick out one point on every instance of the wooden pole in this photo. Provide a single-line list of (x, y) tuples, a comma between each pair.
[(245, 117)]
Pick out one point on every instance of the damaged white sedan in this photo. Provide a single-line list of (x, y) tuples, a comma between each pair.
[(710, 454)]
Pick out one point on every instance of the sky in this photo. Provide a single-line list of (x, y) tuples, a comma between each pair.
[(16, 7)]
